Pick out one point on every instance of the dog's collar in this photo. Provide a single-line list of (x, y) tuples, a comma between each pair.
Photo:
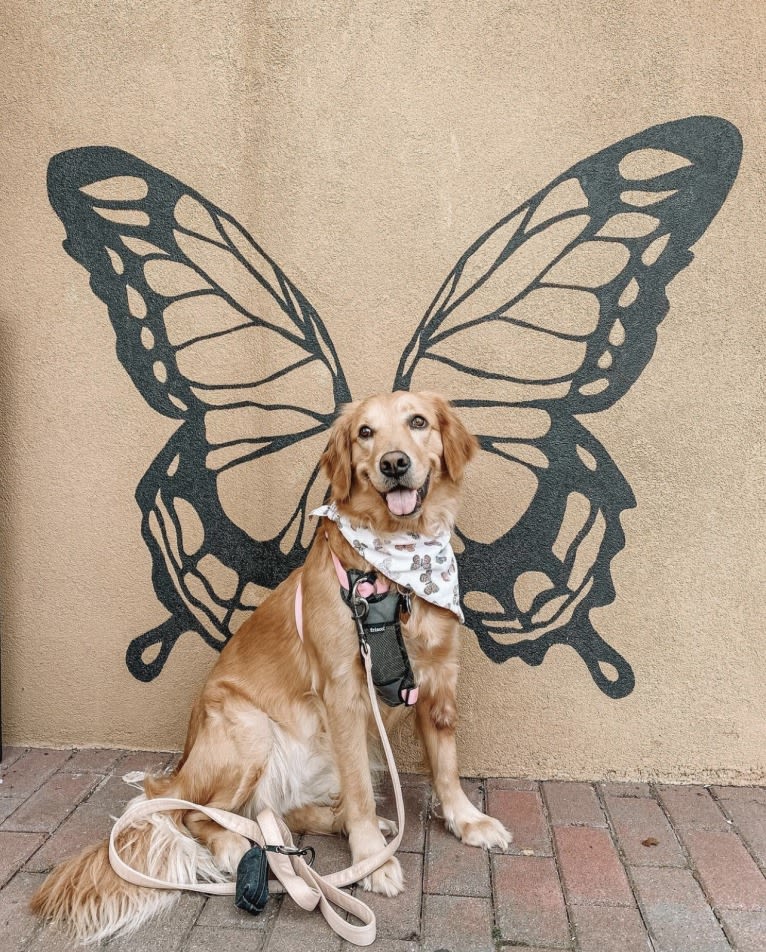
[(423, 564)]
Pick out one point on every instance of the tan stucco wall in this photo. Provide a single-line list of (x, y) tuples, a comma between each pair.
[(366, 146)]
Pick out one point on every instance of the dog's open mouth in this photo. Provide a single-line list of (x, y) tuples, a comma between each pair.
[(403, 501)]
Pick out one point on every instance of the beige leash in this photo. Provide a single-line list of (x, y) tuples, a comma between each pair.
[(305, 885)]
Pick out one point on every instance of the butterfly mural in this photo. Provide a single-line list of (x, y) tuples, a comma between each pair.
[(550, 315)]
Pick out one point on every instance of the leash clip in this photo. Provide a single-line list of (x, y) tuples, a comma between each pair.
[(360, 607), (359, 604), (294, 851)]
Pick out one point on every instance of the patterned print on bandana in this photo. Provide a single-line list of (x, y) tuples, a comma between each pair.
[(424, 564)]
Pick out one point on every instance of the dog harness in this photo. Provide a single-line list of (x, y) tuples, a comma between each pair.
[(376, 608)]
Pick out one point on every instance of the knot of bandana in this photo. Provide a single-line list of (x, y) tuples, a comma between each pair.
[(424, 564)]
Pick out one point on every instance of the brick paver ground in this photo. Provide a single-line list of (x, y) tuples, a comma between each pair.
[(604, 867)]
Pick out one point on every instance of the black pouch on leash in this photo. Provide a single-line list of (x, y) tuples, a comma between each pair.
[(252, 891)]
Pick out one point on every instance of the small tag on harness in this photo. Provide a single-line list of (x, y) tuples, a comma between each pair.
[(252, 892)]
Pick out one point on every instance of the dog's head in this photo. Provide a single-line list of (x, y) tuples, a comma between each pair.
[(395, 461)]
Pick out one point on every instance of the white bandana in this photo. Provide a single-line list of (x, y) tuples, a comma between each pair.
[(425, 564)]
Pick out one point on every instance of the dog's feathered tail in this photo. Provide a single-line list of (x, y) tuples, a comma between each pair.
[(91, 902)]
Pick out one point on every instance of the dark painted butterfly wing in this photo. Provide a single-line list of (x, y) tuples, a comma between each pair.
[(213, 333), (553, 312), (550, 313)]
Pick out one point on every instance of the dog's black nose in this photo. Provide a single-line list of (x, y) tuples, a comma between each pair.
[(394, 464)]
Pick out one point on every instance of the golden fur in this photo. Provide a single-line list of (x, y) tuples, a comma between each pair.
[(284, 723)]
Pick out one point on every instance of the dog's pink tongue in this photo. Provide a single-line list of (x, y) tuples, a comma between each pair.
[(402, 501)]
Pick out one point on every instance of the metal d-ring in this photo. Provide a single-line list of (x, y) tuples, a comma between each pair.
[(405, 594)]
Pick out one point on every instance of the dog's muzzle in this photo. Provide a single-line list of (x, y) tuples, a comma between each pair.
[(405, 501)]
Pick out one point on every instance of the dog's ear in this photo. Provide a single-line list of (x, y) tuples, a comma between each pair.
[(459, 444), (336, 459)]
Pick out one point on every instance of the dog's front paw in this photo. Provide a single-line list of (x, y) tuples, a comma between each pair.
[(387, 880), (484, 831), (228, 848)]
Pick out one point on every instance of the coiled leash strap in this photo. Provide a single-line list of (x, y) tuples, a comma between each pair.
[(295, 876)]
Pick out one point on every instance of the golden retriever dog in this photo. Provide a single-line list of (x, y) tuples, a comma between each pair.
[(283, 722)]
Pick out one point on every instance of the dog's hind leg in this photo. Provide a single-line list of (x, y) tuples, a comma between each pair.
[(314, 819), (226, 847), (221, 768), (327, 821)]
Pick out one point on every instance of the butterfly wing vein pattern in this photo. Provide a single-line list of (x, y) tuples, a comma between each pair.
[(554, 311), (550, 314), (214, 334)]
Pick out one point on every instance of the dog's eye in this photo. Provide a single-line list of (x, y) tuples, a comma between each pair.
[(365, 432), (418, 422)]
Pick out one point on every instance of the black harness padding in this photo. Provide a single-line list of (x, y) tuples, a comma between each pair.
[(378, 624)]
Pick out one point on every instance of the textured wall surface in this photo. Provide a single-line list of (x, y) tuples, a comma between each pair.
[(366, 147)]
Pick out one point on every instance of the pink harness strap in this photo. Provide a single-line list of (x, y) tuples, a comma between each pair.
[(365, 589), (299, 608)]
